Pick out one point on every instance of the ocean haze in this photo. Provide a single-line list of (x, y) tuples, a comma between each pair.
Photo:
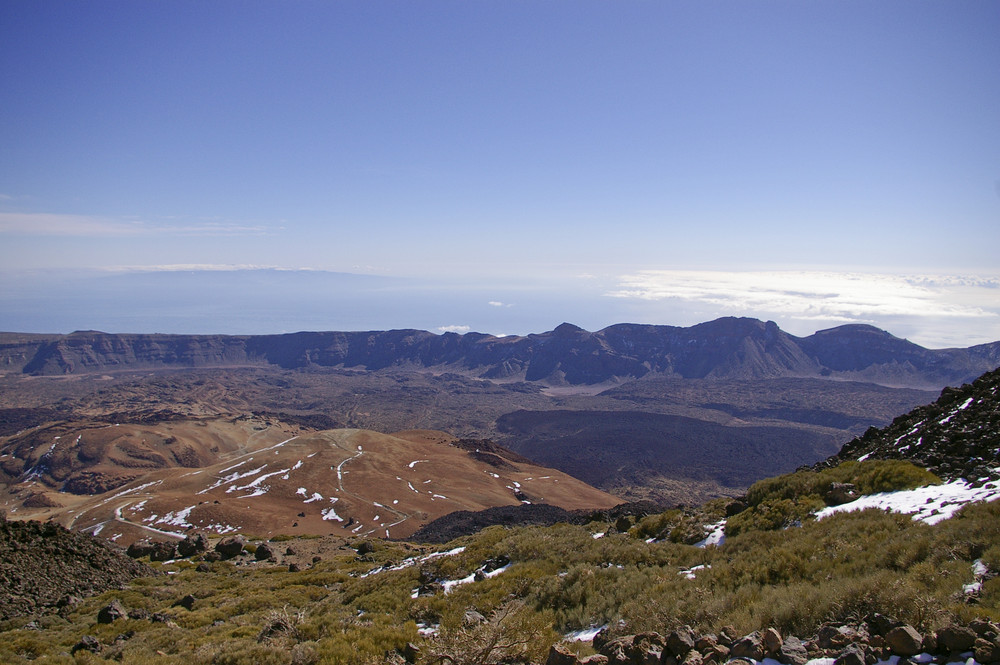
[(934, 311)]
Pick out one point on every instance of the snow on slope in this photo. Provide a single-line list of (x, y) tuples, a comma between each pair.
[(929, 504)]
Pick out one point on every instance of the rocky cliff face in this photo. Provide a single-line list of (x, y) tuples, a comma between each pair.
[(958, 436), (728, 348)]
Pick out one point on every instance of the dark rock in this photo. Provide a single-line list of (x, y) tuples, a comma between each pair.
[(187, 602), (832, 636), (203, 567), (956, 638), (68, 601), (986, 651), (366, 547), (735, 507), (839, 493), (984, 629), (112, 612), (138, 614), (121, 638), (904, 641), (293, 568), (289, 551), (139, 549), (212, 557), (618, 650), (496, 563), (792, 651), (163, 551), (160, 617), (879, 624), (230, 547), (87, 643), (853, 654), (192, 545), (429, 589), (263, 552), (410, 652), (602, 637), (693, 658)]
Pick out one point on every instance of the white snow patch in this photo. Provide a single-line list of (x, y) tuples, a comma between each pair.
[(597, 535), (315, 497), (231, 478), (691, 572), (302, 490), (177, 519), (451, 584), (584, 635), (230, 468), (716, 535), (930, 504), (406, 563), (428, 630), (417, 461), (278, 445)]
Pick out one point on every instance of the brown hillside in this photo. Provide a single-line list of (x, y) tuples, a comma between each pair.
[(264, 477)]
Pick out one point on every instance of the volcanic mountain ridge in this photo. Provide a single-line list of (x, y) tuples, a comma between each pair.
[(727, 348)]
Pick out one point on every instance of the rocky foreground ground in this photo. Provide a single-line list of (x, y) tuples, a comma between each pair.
[(877, 639), (42, 565)]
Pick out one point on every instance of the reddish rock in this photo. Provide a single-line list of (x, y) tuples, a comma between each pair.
[(561, 655), (904, 641), (750, 646), (772, 641)]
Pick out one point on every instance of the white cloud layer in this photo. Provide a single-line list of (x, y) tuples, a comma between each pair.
[(832, 297), (455, 329)]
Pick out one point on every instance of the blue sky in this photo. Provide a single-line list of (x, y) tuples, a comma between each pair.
[(500, 166)]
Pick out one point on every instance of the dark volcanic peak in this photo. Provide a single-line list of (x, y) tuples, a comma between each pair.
[(727, 348), (958, 436)]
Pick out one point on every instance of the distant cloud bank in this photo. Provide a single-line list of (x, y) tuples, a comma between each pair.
[(850, 297)]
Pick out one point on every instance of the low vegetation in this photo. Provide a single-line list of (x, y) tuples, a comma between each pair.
[(389, 599), (789, 500)]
